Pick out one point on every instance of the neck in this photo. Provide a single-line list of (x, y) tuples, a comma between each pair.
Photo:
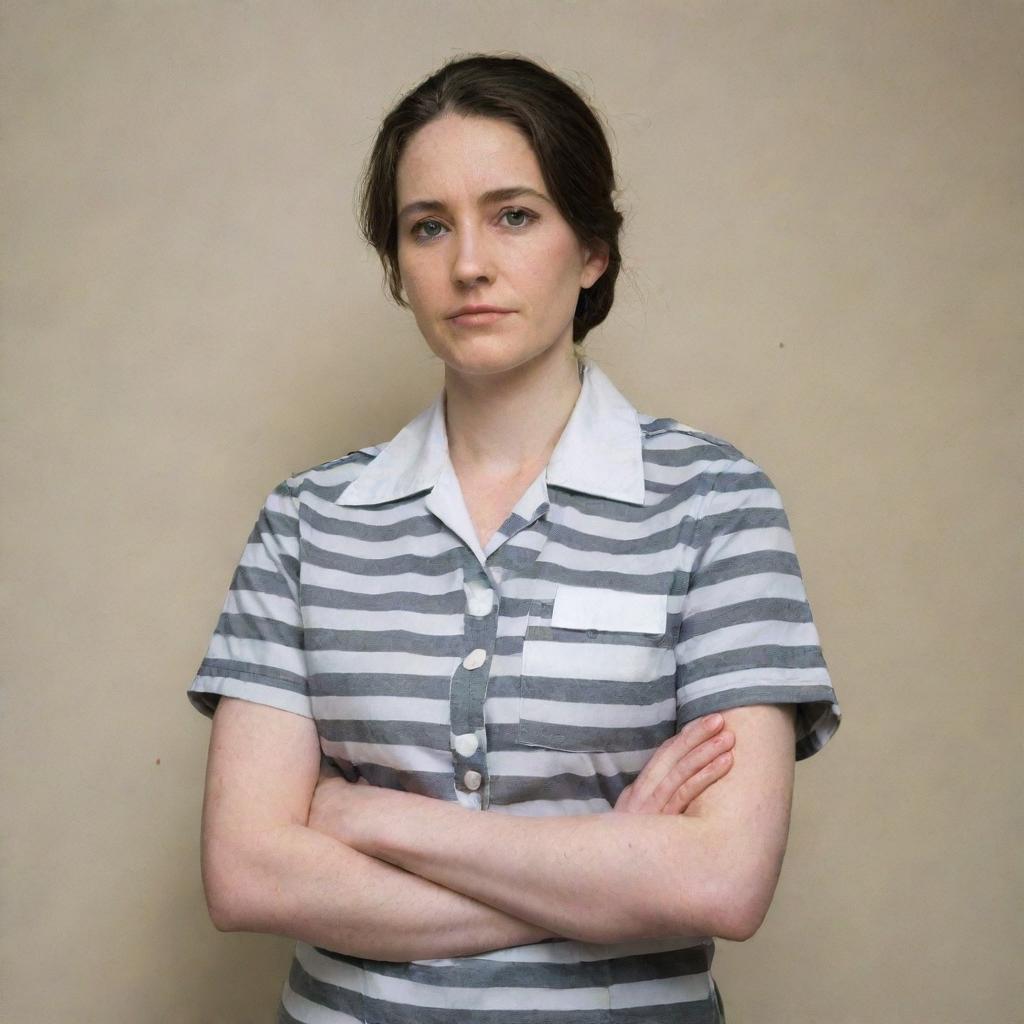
[(504, 425)]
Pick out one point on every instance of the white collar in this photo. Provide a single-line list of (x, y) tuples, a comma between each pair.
[(600, 451)]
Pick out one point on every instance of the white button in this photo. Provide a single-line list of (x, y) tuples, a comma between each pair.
[(466, 744), (475, 658), (472, 779), (479, 598)]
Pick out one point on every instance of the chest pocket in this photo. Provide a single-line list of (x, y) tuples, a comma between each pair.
[(598, 672)]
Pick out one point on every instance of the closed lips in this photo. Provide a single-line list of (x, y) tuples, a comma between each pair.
[(469, 310)]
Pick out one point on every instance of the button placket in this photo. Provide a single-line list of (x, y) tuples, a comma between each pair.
[(469, 691)]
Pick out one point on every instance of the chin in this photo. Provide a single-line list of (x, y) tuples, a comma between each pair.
[(476, 357), (482, 367)]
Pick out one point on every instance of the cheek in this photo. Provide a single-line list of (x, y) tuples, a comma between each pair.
[(561, 261), (553, 279), (415, 279)]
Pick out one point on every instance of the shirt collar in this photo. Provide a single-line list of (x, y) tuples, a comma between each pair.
[(600, 451)]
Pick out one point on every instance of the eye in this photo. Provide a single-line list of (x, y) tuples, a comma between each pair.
[(517, 211), (420, 235)]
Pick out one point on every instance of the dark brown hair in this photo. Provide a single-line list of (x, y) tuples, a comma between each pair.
[(567, 139)]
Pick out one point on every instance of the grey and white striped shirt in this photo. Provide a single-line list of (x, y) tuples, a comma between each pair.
[(646, 577)]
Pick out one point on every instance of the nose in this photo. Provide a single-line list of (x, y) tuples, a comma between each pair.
[(473, 261)]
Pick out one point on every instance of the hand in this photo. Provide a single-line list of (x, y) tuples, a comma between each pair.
[(680, 769)]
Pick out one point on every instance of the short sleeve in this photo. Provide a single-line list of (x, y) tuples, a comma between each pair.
[(747, 635), (256, 652)]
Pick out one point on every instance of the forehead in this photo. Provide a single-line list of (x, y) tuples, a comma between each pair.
[(455, 153)]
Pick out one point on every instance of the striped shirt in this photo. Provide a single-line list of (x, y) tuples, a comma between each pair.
[(645, 578)]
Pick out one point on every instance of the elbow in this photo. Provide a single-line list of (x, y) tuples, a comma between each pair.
[(739, 920), (739, 907), (225, 910), (224, 888), (724, 905), (242, 880), (222, 916)]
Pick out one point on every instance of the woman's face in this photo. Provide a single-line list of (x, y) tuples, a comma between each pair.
[(462, 242)]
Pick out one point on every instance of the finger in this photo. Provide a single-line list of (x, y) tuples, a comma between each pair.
[(669, 754), (685, 782), (691, 736), (690, 765), (697, 784), (622, 805)]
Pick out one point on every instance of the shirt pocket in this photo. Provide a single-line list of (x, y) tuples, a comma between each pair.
[(598, 672)]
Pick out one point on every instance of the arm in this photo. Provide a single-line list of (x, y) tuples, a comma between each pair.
[(605, 877), (264, 870)]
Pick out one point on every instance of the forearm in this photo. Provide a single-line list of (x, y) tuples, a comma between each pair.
[(301, 883), (595, 878), (607, 877)]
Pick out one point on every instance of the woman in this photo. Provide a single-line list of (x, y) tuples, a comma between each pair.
[(516, 605)]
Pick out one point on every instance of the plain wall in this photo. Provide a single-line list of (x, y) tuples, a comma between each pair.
[(823, 253)]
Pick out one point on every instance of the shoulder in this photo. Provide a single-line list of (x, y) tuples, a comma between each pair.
[(327, 480), (678, 455), (706, 478), (662, 433)]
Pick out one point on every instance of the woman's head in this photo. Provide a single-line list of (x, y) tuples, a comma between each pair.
[(563, 133)]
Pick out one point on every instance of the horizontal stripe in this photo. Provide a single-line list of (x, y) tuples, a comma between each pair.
[(381, 709), (741, 638), (597, 716)]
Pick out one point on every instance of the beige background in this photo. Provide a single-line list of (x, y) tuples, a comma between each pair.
[(824, 249)]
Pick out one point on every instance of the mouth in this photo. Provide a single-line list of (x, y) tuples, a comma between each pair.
[(479, 319)]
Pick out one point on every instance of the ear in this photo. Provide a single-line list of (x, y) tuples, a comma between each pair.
[(595, 263)]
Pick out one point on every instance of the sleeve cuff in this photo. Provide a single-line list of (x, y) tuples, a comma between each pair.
[(206, 691), (817, 715)]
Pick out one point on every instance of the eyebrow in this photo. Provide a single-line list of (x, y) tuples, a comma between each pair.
[(495, 195)]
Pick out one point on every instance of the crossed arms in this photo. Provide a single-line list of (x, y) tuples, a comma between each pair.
[(397, 876)]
